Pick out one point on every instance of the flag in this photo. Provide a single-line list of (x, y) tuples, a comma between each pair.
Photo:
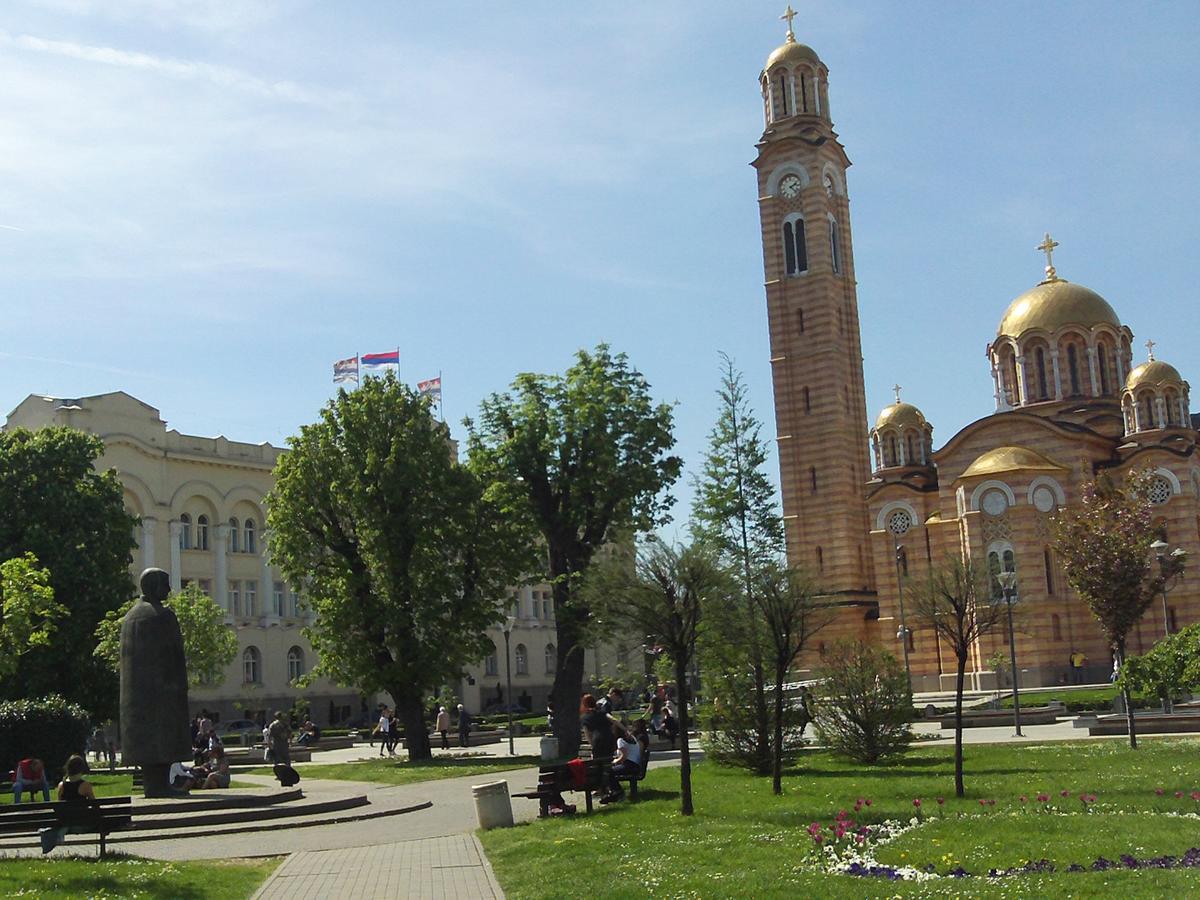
[(431, 388), (381, 361), (346, 370)]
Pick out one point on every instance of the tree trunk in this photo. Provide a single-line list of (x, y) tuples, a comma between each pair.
[(685, 752), (568, 680), (1120, 649), (960, 677), (762, 718), (416, 731), (777, 761)]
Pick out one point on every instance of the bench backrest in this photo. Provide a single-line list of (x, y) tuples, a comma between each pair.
[(107, 812)]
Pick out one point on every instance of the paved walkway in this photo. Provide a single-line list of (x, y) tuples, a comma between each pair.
[(450, 867)]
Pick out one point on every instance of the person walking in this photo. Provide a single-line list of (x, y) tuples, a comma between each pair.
[(280, 736), (393, 732), (443, 726), (384, 728), (464, 727)]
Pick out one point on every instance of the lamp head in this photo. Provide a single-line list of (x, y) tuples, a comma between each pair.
[(1008, 580), (1159, 547)]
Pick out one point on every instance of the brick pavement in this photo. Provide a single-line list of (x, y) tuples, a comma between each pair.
[(450, 867)]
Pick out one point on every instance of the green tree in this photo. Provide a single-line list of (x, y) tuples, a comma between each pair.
[(401, 552), (28, 613), (955, 601), (659, 591), (582, 456), (735, 511), (862, 703), (1166, 670), (209, 645), (1104, 544), (55, 505), (791, 611)]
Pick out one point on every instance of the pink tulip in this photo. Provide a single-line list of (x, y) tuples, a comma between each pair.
[(1024, 799), (1159, 791), (1064, 793), (917, 803), (1178, 794), (941, 800)]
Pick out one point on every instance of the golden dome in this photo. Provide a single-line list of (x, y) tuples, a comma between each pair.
[(792, 53), (900, 414), (1154, 372), (1010, 459), (1055, 303)]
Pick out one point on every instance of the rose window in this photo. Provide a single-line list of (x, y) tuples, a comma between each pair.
[(899, 522), (1160, 490)]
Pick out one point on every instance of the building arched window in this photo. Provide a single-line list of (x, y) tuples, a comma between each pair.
[(891, 451), (820, 560), (251, 666), (1055, 627), (785, 105), (1049, 562), (803, 92), (800, 320), (551, 659), (795, 249), (522, 660), (807, 401), (1042, 383), (201, 532), (835, 248), (233, 535), (295, 663), (999, 559), (491, 665), (1102, 365), (185, 532), (1073, 370), (812, 475), (910, 448), (251, 542)]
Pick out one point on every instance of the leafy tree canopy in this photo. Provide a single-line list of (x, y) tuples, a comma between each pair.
[(29, 613), (404, 555), (583, 457), (209, 645), (55, 505)]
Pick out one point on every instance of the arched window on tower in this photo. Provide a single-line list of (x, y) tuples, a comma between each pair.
[(1049, 563), (1073, 380), (785, 106), (835, 249), (807, 401), (1171, 401), (1146, 415), (1102, 365), (803, 92), (820, 560), (795, 250), (912, 457), (812, 474), (800, 321), (891, 451)]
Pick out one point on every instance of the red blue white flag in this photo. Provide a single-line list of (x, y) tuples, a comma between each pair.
[(381, 361), (345, 370)]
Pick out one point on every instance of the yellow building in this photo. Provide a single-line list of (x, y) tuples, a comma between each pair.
[(200, 503), (862, 508)]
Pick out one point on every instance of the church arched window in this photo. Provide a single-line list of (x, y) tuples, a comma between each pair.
[(835, 249), (1146, 418), (807, 401), (1073, 370), (800, 320), (795, 250), (891, 452), (812, 474), (820, 560), (785, 106), (1171, 401), (910, 450), (803, 92), (1055, 627), (1042, 384), (1102, 365)]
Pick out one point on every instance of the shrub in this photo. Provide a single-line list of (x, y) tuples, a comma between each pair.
[(863, 706), (50, 729)]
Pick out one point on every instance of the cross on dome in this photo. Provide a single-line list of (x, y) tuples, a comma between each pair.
[(1047, 246), (789, 15), (896, 388), (1150, 350)]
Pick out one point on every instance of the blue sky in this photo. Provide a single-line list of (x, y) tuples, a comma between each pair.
[(206, 204)]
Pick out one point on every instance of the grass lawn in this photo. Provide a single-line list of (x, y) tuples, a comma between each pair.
[(744, 841), (401, 771), (122, 786), (129, 876), (1077, 699)]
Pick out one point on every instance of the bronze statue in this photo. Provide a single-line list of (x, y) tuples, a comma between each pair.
[(154, 689)]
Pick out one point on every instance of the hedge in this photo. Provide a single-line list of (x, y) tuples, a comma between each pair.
[(50, 729)]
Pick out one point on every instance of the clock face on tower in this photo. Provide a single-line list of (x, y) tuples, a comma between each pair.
[(790, 186)]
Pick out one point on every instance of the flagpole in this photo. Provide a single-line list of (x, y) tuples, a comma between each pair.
[(441, 411)]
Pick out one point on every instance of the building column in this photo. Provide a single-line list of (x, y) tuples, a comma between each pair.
[(1092, 371), (175, 529), (1057, 378), (1022, 397), (1185, 414), (996, 386), (221, 592), (1160, 412), (148, 525), (1120, 370), (267, 584)]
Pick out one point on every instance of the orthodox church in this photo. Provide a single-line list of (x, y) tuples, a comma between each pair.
[(867, 509)]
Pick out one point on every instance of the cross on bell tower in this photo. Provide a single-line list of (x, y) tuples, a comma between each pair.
[(1047, 246), (790, 14)]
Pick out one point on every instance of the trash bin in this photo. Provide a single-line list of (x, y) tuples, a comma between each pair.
[(493, 808), (549, 748)]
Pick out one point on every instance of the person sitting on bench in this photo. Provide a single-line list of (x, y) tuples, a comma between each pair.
[(627, 762), (73, 789), (30, 776)]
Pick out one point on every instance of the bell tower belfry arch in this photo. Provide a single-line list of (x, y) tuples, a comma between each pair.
[(812, 312)]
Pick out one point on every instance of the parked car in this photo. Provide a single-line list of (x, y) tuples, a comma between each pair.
[(245, 730)]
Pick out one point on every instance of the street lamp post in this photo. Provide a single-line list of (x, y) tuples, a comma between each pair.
[(902, 633), (1170, 564), (509, 622), (1008, 583)]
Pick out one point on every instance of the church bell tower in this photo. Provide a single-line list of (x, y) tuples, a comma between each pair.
[(812, 311)]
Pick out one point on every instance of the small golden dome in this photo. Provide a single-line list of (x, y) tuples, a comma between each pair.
[(900, 414), (1154, 372), (1055, 303), (1010, 459), (792, 53)]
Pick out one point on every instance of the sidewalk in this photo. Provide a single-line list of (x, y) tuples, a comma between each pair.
[(452, 867)]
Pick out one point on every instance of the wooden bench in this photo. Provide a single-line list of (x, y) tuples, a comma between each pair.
[(634, 778), (102, 816), (553, 780)]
